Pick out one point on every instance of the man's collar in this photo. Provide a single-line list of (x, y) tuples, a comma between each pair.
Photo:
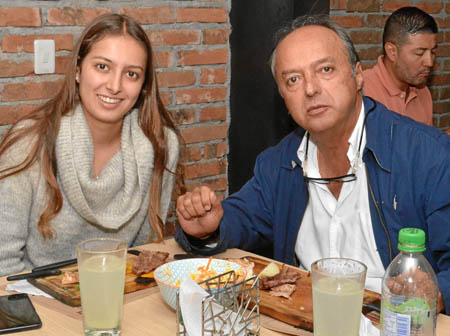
[(291, 160), (378, 134), (353, 140), (378, 138)]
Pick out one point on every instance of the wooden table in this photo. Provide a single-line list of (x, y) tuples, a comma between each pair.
[(145, 312)]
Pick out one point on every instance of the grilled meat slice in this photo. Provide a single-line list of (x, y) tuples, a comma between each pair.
[(286, 276), (283, 290), (147, 261)]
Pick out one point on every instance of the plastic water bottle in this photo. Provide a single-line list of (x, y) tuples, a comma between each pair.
[(409, 290)]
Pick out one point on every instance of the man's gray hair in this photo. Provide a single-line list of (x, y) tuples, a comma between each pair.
[(315, 20)]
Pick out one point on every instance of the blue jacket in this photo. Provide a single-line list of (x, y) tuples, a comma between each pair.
[(408, 169)]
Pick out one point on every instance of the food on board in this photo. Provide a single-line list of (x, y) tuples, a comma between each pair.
[(283, 290), (277, 283), (147, 261), (69, 278), (285, 276), (269, 271)]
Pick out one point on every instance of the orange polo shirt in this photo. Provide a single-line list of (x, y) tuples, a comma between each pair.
[(379, 85)]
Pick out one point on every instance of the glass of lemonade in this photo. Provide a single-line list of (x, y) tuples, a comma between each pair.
[(338, 290), (101, 267)]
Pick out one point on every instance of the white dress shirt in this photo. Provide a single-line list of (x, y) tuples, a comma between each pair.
[(342, 227)]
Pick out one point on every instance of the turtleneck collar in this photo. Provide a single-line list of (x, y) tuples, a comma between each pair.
[(114, 197)]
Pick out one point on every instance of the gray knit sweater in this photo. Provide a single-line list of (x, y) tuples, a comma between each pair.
[(114, 204)]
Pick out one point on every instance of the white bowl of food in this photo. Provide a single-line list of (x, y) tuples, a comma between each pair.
[(170, 275)]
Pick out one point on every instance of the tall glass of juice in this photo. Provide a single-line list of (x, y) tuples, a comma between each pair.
[(101, 267), (338, 290)]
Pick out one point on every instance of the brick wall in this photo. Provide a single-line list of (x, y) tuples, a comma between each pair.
[(365, 20), (190, 40)]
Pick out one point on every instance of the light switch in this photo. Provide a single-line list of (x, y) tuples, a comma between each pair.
[(44, 56)]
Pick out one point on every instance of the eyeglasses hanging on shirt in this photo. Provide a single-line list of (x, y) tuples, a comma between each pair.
[(342, 179)]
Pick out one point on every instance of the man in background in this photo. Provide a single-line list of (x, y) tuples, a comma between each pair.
[(398, 80)]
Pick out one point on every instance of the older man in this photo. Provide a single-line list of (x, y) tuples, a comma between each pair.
[(398, 79), (344, 187)]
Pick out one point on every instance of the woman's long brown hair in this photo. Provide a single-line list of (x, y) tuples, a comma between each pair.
[(153, 117)]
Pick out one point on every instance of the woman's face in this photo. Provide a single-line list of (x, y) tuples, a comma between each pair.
[(111, 78)]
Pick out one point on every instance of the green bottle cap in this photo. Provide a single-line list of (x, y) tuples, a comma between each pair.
[(411, 240)]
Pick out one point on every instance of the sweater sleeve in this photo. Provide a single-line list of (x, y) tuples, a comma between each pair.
[(15, 205)]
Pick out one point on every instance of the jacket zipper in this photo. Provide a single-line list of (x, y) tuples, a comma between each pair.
[(379, 212)]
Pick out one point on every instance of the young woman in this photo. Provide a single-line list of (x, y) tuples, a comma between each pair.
[(99, 159)]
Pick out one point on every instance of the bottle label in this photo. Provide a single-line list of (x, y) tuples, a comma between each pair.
[(396, 324), (399, 316)]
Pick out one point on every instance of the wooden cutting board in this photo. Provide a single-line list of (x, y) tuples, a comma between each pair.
[(70, 293), (298, 311)]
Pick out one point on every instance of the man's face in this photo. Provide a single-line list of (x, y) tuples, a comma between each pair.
[(314, 77), (415, 58)]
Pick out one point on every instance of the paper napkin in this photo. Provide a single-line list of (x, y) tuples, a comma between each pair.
[(366, 328), (23, 286), (191, 296)]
